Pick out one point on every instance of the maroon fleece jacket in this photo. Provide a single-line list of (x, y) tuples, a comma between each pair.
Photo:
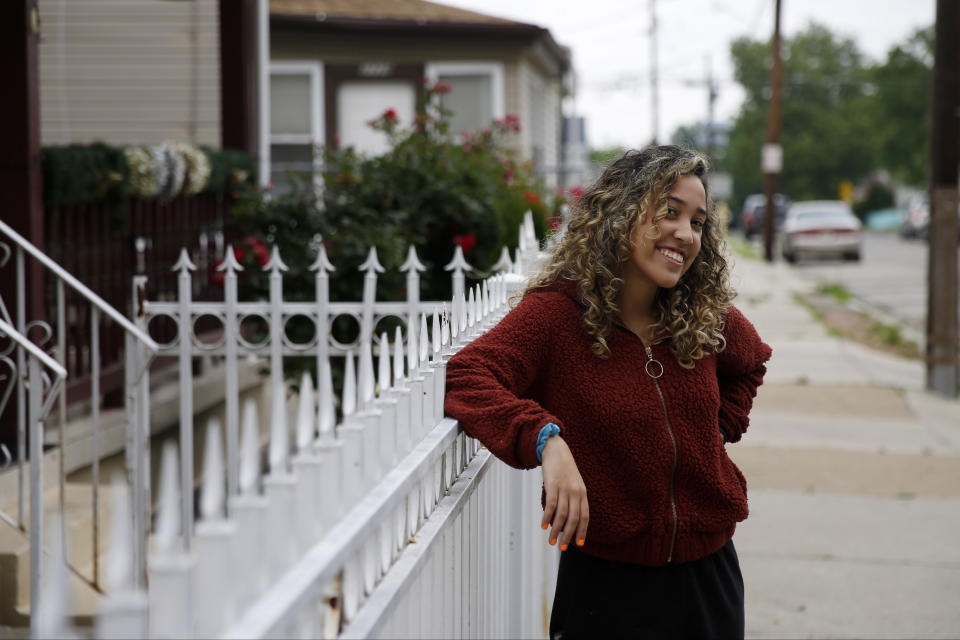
[(660, 485)]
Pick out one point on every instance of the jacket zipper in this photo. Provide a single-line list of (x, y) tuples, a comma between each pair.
[(673, 441)]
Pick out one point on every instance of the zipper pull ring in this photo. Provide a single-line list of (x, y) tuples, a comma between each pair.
[(652, 363)]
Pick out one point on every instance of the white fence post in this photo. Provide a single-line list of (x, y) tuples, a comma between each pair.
[(249, 510), (329, 539), (171, 568), (215, 537), (185, 340), (230, 267)]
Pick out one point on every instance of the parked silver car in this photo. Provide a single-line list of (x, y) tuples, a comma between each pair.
[(821, 228)]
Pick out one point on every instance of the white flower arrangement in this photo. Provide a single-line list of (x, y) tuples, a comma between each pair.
[(197, 167), (167, 170), (171, 165), (143, 180)]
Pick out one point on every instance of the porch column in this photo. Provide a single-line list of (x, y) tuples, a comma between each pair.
[(20, 169)]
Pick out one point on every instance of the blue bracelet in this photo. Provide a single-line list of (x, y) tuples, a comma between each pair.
[(548, 430)]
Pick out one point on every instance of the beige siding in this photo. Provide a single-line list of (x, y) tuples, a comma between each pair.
[(129, 71), (540, 111), (522, 67)]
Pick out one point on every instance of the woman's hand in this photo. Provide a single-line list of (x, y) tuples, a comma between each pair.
[(566, 503)]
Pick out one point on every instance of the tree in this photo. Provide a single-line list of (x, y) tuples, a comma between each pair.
[(825, 139), (900, 108), (843, 117)]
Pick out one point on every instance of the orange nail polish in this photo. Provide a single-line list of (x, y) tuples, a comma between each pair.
[(553, 542), (544, 527), (563, 547), (580, 542)]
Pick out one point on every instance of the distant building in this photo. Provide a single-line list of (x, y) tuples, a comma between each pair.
[(337, 64), (576, 170)]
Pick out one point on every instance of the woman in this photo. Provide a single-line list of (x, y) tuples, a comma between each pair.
[(624, 370)]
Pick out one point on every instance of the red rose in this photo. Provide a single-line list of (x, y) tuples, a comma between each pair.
[(466, 242), (442, 87), (390, 114), (532, 198)]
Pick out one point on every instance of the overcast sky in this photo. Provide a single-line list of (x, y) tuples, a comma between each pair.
[(611, 45)]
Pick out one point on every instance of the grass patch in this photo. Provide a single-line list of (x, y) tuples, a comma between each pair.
[(742, 247), (802, 300), (888, 334), (837, 291), (827, 306)]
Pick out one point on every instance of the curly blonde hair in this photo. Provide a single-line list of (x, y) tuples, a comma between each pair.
[(597, 244)]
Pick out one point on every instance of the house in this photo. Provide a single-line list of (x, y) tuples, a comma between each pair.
[(337, 64)]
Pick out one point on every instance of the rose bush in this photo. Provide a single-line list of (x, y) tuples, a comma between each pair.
[(429, 190)]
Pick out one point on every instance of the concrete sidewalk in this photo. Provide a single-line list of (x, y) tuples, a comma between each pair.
[(854, 477)]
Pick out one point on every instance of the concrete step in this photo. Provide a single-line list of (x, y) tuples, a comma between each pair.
[(78, 495)]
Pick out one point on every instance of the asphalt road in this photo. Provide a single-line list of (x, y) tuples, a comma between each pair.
[(891, 276)]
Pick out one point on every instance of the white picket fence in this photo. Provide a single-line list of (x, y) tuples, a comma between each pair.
[(387, 521)]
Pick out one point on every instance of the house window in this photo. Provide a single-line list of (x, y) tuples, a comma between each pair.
[(355, 94), (359, 102), (476, 96), (295, 120)]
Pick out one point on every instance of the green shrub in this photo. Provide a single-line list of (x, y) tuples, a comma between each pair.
[(82, 173), (879, 196), (428, 191), (99, 173)]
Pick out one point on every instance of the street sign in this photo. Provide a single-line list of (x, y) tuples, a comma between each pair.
[(772, 158), (721, 186)]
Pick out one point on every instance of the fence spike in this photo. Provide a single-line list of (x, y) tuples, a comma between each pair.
[(367, 383), (459, 262), (503, 263), (383, 380), (119, 575), (518, 262), (168, 515), (412, 262), (435, 325), (521, 239), (372, 263), (305, 412), (51, 615), (322, 263), (183, 262), (478, 301), (349, 394), (326, 415), (454, 318), (279, 438), (444, 326), (212, 493), (471, 310), (464, 314), (413, 355), (484, 299), (275, 263), (424, 338), (249, 449), (229, 263), (398, 356), (530, 228)]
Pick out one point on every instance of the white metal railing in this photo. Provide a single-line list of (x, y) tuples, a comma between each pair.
[(42, 392), (388, 521), (139, 352)]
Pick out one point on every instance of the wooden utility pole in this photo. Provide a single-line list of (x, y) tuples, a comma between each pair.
[(942, 333), (711, 109), (772, 159), (654, 80)]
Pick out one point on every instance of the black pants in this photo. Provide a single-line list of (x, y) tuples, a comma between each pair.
[(598, 598)]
